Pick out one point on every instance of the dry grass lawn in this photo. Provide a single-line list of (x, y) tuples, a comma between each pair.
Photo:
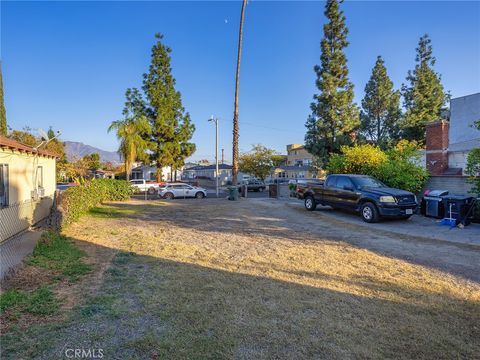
[(253, 280)]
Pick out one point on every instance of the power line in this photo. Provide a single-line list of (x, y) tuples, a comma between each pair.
[(270, 127)]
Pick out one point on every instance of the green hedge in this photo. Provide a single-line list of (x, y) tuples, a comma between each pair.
[(396, 167), (76, 201)]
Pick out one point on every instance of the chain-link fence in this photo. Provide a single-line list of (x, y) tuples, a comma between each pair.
[(18, 217)]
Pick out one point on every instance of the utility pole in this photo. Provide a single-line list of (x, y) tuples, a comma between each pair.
[(215, 120)]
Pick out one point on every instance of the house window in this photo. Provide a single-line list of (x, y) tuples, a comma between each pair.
[(39, 177), (3, 185), (136, 175), (153, 176)]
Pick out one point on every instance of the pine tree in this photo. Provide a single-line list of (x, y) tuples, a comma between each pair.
[(380, 115), (172, 128), (424, 97), (50, 133), (334, 116), (3, 115)]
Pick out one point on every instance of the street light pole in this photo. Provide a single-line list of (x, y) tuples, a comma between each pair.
[(216, 151)]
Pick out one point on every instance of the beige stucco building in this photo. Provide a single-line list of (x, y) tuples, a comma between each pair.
[(27, 186), (297, 155), (298, 164)]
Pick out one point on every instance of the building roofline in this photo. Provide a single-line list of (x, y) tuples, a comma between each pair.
[(7, 143), (465, 96)]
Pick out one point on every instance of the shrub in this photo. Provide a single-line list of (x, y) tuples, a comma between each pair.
[(473, 170), (402, 174), (77, 200), (360, 159), (336, 164), (396, 167)]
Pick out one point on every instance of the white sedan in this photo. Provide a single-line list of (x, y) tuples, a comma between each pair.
[(181, 190)]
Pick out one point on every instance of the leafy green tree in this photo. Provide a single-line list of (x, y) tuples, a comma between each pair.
[(380, 115), (258, 162), (23, 136), (473, 170), (3, 114), (92, 161), (334, 116), (279, 160), (133, 131), (424, 96), (172, 128)]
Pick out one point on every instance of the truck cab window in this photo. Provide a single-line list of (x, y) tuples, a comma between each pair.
[(344, 181), (331, 181)]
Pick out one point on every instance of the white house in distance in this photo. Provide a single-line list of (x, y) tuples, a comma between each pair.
[(208, 172), (149, 173), (27, 186)]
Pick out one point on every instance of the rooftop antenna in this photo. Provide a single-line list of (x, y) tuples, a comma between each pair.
[(44, 138)]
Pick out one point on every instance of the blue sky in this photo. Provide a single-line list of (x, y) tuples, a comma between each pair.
[(67, 64)]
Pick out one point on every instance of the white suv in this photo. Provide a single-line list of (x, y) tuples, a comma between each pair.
[(181, 190)]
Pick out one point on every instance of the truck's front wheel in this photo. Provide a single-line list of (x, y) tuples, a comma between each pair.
[(310, 203), (369, 213)]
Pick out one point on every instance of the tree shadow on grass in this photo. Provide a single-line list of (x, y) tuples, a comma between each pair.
[(148, 305), (264, 221)]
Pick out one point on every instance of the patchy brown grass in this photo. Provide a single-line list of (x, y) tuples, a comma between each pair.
[(282, 292), (69, 292), (254, 280)]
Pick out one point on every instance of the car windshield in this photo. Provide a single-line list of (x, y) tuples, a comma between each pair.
[(366, 181)]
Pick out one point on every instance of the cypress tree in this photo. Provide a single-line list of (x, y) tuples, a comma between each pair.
[(380, 115), (424, 96), (334, 116), (3, 114), (172, 128)]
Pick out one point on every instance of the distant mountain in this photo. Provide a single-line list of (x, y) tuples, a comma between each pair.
[(77, 150)]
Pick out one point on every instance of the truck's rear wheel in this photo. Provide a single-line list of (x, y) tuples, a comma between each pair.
[(369, 213), (151, 191), (310, 203)]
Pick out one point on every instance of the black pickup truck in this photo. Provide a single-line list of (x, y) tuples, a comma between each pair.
[(361, 193)]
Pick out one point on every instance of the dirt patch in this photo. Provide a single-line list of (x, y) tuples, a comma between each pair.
[(27, 278)]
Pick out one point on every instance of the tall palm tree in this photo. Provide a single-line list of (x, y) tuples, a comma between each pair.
[(235, 152), (132, 133)]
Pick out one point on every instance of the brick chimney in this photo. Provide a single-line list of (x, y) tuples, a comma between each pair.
[(437, 147)]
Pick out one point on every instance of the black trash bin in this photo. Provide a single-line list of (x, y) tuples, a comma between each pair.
[(457, 207), (232, 193)]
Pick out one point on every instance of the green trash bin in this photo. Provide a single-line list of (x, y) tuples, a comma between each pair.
[(232, 193)]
